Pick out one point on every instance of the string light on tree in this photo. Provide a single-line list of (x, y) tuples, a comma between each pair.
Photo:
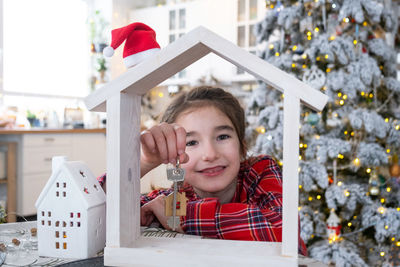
[(260, 129), (381, 210)]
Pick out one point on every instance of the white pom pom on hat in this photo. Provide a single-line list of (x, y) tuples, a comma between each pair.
[(108, 51), (140, 42)]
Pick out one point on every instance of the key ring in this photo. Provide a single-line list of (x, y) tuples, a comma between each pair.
[(177, 170)]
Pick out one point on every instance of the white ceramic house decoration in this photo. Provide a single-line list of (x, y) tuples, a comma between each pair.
[(71, 212), (120, 98)]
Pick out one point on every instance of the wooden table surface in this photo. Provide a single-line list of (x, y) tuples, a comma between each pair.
[(21, 231)]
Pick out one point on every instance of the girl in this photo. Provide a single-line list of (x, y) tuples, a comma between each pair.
[(229, 196)]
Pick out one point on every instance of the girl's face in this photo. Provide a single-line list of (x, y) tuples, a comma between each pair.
[(213, 148)]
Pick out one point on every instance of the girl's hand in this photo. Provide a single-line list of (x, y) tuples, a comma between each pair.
[(155, 208), (162, 143)]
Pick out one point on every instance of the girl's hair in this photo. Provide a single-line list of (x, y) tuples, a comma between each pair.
[(204, 96)]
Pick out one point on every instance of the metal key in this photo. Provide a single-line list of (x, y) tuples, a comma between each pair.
[(176, 175)]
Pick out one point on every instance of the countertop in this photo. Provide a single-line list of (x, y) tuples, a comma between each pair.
[(50, 131)]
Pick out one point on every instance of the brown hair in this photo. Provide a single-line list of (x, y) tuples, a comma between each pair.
[(210, 96)]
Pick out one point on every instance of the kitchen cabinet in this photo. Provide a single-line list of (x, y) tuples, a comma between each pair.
[(35, 149), (10, 180)]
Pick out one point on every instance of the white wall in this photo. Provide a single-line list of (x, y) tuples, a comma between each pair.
[(1, 53), (219, 16)]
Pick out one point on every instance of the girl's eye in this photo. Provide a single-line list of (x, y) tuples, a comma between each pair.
[(191, 143), (223, 137)]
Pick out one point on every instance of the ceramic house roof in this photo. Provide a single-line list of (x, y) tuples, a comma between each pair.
[(188, 49), (79, 175)]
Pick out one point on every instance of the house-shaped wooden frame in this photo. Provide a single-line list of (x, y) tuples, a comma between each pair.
[(121, 97)]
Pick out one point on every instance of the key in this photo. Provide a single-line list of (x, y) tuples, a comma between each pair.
[(176, 175)]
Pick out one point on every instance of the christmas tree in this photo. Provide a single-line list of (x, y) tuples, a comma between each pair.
[(349, 175)]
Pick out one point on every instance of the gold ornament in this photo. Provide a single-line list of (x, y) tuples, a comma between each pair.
[(395, 170), (395, 167), (373, 184)]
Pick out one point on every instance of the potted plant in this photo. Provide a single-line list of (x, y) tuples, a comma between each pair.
[(3, 215), (97, 32), (101, 68)]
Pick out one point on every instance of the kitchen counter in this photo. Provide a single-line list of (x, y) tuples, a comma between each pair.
[(50, 131)]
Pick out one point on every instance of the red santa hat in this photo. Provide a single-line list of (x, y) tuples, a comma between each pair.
[(140, 42)]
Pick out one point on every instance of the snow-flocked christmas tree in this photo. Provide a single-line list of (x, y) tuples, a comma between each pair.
[(349, 173)]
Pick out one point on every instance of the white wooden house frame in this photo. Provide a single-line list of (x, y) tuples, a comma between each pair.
[(121, 97)]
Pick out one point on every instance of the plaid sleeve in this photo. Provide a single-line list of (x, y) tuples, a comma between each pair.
[(102, 179), (143, 198), (152, 195), (235, 221), (258, 216)]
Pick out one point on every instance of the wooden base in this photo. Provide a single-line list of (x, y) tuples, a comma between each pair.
[(197, 252)]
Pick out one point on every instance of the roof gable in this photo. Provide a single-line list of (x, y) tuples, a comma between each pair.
[(187, 50), (86, 183), (90, 192)]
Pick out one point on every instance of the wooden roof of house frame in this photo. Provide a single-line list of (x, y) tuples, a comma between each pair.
[(121, 98), (188, 49)]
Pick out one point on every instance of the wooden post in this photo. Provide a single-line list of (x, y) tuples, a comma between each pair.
[(123, 170), (11, 182), (291, 123)]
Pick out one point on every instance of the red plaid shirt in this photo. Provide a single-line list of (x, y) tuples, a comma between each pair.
[(254, 213)]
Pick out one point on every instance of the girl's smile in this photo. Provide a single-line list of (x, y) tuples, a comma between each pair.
[(214, 152), (213, 171)]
